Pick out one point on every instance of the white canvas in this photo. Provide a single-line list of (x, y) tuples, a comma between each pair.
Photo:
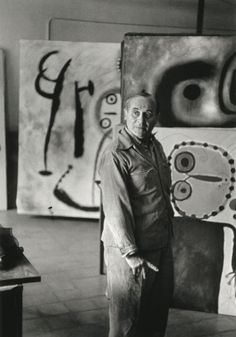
[(203, 187), (69, 101)]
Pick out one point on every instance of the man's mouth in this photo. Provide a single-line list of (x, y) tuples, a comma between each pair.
[(141, 127)]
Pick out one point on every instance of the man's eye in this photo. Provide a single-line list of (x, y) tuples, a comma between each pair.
[(136, 113), (148, 114)]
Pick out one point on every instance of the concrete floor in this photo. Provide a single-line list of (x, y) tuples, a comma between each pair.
[(70, 301)]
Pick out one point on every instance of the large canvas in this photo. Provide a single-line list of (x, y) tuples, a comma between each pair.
[(69, 101), (203, 193), (3, 178), (193, 78)]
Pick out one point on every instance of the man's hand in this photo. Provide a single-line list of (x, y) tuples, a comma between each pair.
[(137, 264)]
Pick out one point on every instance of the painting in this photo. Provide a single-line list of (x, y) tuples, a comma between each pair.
[(193, 78), (203, 194), (69, 101), (3, 177)]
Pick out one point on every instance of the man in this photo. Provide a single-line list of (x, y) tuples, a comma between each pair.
[(135, 182)]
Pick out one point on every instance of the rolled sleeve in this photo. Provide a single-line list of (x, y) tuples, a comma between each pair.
[(116, 202)]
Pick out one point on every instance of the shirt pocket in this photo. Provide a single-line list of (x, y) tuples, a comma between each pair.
[(143, 180)]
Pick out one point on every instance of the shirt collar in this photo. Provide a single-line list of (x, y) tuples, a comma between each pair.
[(126, 140)]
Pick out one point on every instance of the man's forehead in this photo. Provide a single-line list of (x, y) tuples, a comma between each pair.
[(141, 102)]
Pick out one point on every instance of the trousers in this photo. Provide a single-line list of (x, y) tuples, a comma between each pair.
[(139, 307)]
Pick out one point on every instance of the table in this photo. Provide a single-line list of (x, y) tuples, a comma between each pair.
[(11, 290)]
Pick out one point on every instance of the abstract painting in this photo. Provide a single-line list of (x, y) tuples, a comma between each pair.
[(193, 78), (3, 177), (203, 194), (69, 101)]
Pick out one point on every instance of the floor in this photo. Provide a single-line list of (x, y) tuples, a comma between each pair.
[(70, 301)]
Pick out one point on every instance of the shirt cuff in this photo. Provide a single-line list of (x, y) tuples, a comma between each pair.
[(128, 251)]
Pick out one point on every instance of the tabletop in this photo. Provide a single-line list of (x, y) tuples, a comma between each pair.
[(23, 272)]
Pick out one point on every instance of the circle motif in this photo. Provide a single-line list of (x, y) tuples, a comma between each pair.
[(105, 123), (184, 162), (203, 178), (192, 91), (111, 99), (182, 190)]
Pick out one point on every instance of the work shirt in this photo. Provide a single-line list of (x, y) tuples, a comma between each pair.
[(135, 193)]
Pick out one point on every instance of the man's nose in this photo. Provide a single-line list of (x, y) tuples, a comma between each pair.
[(141, 118)]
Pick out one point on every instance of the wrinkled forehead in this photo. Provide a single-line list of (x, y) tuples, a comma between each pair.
[(140, 102)]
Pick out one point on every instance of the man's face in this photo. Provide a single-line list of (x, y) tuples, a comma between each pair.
[(140, 116)]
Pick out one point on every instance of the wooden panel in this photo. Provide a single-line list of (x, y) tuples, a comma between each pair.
[(3, 183), (11, 311), (70, 30), (220, 17)]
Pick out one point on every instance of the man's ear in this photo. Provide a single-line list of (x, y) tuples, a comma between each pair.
[(125, 114)]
